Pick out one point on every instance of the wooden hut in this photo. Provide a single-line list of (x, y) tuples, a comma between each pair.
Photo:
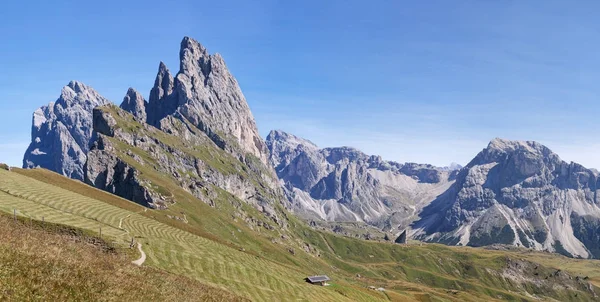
[(318, 280)]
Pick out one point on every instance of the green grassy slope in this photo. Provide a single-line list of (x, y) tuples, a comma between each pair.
[(168, 247), (227, 254), (50, 262)]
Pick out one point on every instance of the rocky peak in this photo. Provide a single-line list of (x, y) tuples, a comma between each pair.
[(77, 94), (161, 102), (283, 138), (135, 104), (501, 147), (519, 193), (284, 146), (210, 98), (194, 58), (350, 154), (518, 159), (453, 167), (62, 131), (76, 86), (163, 84)]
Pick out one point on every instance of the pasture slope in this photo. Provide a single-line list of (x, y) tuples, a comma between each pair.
[(167, 248), (265, 271), (53, 262)]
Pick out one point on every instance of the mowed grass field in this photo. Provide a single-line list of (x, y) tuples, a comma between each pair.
[(167, 247), (52, 262), (202, 251)]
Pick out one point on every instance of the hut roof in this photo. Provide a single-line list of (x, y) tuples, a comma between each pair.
[(314, 279)]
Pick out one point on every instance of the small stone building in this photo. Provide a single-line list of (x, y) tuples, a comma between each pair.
[(318, 280)]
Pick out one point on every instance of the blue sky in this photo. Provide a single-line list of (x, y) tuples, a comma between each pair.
[(421, 81)]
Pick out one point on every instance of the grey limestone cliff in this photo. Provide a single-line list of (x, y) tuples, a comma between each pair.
[(344, 184), (203, 92), (62, 130), (135, 104), (206, 94), (518, 193)]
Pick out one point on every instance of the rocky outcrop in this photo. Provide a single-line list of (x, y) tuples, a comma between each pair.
[(135, 104), (162, 102), (518, 193), (401, 238), (136, 161), (106, 171), (344, 184), (207, 95), (62, 131), (210, 97)]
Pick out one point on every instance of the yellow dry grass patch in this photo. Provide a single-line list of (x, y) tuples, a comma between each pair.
[(49, 263)]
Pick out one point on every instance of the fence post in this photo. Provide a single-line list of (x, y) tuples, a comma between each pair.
[(100, 232), (15, 214)]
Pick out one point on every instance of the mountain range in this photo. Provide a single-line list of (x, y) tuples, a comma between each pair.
[(197, 130)]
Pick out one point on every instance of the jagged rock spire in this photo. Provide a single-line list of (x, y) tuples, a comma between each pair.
[(163, 85), (161, 102), (135, 103), (210, 97)]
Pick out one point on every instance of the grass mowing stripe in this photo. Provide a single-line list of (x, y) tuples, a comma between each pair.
[(167, 247)]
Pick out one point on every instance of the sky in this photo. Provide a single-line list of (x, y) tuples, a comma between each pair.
[(412, 81)]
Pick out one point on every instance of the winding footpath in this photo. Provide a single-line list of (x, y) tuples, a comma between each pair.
[(121, 222), (142, 259)]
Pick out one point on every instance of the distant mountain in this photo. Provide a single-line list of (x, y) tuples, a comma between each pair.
[(518, 193), (62, 131), (453, 167), (344, 184)]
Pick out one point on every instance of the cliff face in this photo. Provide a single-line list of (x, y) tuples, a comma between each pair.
[(518, 193), (344, 184), (512, 192), (62, 131), (135, 103), (139, 162), (207, 95)]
